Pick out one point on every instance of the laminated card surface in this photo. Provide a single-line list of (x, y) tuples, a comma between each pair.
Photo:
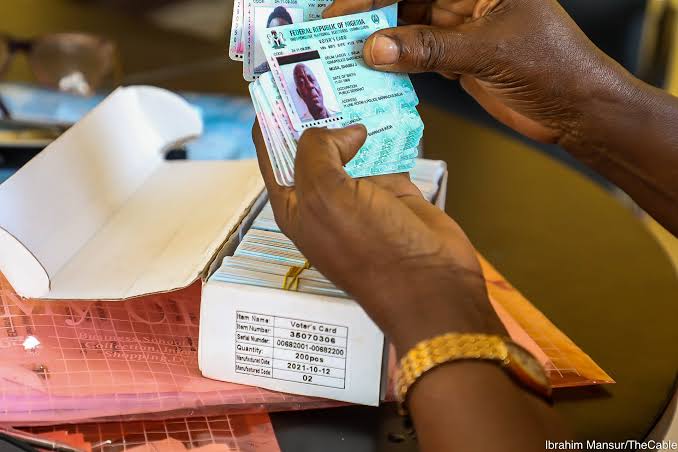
[(316, 77)]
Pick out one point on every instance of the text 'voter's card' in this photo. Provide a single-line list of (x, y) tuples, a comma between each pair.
[(322, 76)]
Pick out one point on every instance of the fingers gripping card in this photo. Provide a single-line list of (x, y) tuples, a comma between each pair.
[(251, 18), (315, 76), (390, 146)]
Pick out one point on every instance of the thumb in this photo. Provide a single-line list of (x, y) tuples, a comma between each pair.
[(322, 154), (421, 48)]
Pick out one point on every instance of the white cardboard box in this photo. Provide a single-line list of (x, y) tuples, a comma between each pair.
[(100, 214), (294, 342)]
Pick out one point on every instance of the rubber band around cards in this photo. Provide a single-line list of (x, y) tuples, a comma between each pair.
[(291, 279)]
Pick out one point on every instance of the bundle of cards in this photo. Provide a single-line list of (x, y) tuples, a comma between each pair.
[(265, 255), (251, 18), (318, 78)]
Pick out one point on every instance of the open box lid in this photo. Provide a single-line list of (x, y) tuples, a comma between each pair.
[(100, 214)]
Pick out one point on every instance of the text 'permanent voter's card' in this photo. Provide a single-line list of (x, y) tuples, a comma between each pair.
[(323, 79)]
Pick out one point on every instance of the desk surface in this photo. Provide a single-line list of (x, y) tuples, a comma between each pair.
[(571, 248)]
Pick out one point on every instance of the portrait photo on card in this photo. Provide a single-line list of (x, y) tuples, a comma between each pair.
[(269, 17), (309, 86)]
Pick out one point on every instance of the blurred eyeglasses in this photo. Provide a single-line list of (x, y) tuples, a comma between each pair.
[(77, 63)]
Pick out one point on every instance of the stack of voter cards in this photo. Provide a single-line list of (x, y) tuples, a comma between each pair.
[(251, 19), (309, 72), (265, 255)]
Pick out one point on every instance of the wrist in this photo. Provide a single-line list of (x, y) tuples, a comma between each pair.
[(432, 319), (426, 309), (611, 94)]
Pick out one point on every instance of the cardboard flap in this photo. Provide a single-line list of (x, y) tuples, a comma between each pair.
[(20, 267), (99, 214), (172, 118)]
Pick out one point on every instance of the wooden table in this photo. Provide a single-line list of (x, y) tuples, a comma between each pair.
[(580, 256)]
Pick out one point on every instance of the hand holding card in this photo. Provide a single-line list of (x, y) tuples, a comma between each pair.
[(318, 79), (252, 17), (309, 72)]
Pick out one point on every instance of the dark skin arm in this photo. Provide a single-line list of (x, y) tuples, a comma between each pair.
[(403, 258), (407, 263), (529, 65)]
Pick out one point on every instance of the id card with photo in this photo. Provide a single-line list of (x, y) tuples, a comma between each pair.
[(260, 15), (391, 144), (322, 77)]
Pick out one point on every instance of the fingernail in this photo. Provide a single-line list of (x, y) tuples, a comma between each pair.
[(384, 51)]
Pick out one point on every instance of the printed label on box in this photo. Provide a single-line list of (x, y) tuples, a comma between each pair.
[(289, 349), (290, 342)]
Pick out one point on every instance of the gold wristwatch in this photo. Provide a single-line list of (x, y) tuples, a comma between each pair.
[(519, 363)]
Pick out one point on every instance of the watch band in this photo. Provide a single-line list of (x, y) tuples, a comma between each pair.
[(518, 362), (443, 349)]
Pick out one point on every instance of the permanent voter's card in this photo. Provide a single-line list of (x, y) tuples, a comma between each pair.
[(252, 17), (383, 134), (391, 143), (314, 75), (322, 78)]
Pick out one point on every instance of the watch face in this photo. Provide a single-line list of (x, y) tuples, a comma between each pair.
[(526, 366)]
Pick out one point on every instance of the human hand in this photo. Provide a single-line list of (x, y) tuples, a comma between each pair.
[(525, 61), (405, 261)]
